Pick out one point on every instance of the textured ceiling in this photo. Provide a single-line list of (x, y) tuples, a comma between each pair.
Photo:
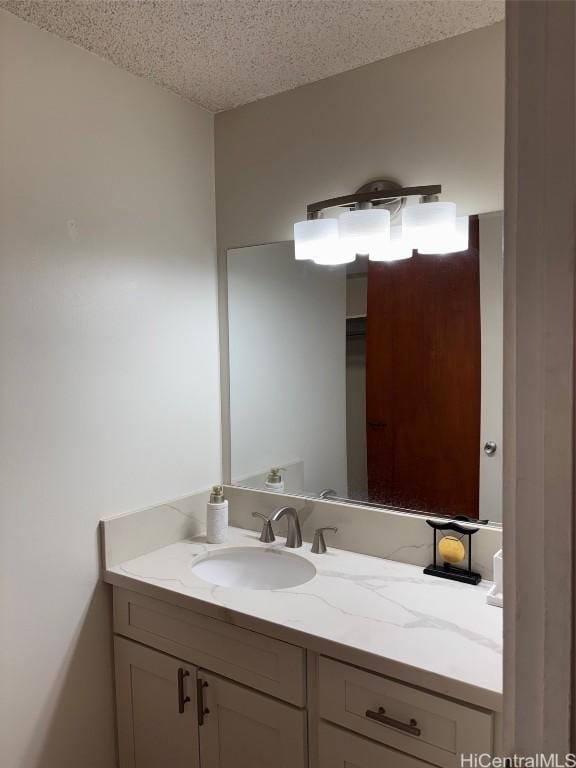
[(223, 53)]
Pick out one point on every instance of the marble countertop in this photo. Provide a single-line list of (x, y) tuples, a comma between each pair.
[(384, 615)]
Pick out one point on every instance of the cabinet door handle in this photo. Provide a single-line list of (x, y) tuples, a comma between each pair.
[(182, 673), (382, 717), (202, 710)]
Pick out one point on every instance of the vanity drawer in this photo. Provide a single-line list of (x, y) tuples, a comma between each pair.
[(440, 731), (342, 749), (260, 662)]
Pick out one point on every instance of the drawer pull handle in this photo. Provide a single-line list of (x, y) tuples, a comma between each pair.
[(382, 717), (182, 673), (202, 710)]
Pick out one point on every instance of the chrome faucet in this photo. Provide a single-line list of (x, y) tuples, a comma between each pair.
[(294, 535), (267, 534), (319, 544)]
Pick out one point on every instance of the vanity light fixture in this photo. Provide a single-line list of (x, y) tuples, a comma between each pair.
[(318, 240), (365, 231), (398, 249), (430, 226), (428, 222), (450, 240)]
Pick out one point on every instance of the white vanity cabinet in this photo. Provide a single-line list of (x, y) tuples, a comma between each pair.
[(244, 729), (342, 749), (156, 708), (173, 714), (410, 720), (198, 692), (257, 661), (172, 711)]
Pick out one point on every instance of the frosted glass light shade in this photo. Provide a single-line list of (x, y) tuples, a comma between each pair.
[(452, 241), (331, 257), (365, 232), (317, 240), (428, 221), (398, 247)]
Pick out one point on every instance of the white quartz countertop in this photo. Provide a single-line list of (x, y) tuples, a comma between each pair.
[(384, 615)]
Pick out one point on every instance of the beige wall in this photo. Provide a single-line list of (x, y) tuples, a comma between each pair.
[(108, 357)]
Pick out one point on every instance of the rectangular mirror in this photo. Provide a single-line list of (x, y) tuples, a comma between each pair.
[(379, 383)]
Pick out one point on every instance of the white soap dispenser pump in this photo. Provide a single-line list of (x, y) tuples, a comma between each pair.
[(216, 516), (275, 481)]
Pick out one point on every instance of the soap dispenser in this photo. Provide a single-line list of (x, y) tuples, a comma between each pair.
[(275, 481), (495, 595), (216, 516)]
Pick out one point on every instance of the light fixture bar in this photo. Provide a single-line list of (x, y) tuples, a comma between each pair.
[(372, 197)]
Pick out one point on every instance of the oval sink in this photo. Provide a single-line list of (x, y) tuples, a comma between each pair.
[(253, 568)]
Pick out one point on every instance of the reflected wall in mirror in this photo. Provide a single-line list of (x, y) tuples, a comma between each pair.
[(375, 382)]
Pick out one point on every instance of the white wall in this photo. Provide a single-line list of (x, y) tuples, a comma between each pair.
[(287, 366), (108, 364), (431, 115)]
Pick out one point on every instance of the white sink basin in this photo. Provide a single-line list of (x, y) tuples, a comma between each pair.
[(254, 568)]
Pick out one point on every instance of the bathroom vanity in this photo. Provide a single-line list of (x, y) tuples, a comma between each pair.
[(367, 663)]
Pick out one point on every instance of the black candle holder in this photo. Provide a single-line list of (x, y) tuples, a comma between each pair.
[(447, 570)]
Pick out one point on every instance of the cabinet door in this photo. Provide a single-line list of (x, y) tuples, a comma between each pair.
[(157, 708), (423, 346), (342, 749), (245, 729)]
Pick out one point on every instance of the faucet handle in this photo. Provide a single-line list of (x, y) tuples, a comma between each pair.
[(319, 544), (267, 534)]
